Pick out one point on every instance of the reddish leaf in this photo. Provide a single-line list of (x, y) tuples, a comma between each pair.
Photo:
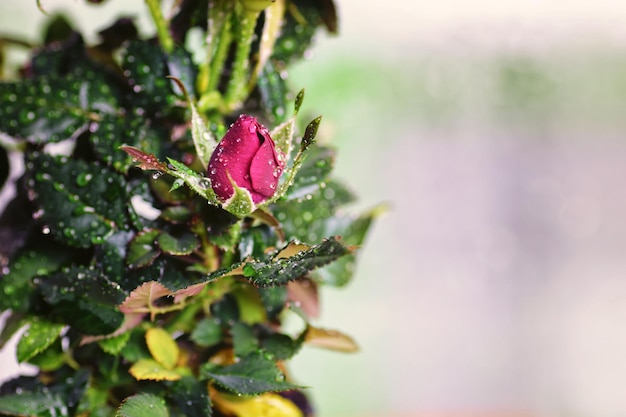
[(141, 299), (145, 160)]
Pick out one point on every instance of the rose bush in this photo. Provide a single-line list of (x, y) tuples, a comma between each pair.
[(165, 294), (247, 157)]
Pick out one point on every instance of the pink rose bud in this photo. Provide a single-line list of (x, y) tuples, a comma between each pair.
[(247, 155)]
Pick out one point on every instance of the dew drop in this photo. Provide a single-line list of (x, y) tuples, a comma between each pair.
[(83, 179)]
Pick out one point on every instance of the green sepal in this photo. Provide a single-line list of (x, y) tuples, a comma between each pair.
[(240, 203)]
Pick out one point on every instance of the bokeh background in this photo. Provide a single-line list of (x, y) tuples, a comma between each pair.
[(494, 131)]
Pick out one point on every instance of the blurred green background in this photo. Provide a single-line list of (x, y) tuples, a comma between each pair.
[(496, 282)]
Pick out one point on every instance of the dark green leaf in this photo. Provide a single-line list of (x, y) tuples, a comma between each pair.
[(13, 322), (39, 335), (143, 250), (255, 240), (191, 397), (225, 310), (274, 300), (145, 66), (176, 214), (143, 405), (253, 374), (309, 219), (113, 131), (110, 256), (79, 203), (207, 332), (316, 167), (353, 231), (272, 90), (84, 298), (281, 346), (181, 67), (58, 29), (281, 271), (184, 244), (38, 110), (39, 259), (299, 27), (60, 104)]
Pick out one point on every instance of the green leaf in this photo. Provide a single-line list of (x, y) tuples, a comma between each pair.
[(38, 259), (299, 27), (181, 245), (176, 214), (353, 230), (143, 250), (93, 196), (41, 404), (38, 337), (84, 298), (51, 359), (192, 397), (311, 218), (280, 271), (143, 405), (253, 374), (195, 181), (54, 108), (110, 257), (274, 300), (145, 65), (244, 340), (112, 131), (281, 346), (181, 67), (13, 321), (273, 92), (114, 345), (313, 172), (207, 332)]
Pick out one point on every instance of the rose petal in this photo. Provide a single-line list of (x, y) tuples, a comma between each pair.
[(265, 169)]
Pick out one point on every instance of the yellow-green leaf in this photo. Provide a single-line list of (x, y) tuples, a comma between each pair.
[(266, 405), (37, 338), (162, 347), (150, 369)]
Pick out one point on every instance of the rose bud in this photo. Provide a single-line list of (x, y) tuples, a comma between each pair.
[(247, 157)]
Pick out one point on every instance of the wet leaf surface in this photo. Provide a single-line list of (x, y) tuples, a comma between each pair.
[(253, 374), (94, 195)]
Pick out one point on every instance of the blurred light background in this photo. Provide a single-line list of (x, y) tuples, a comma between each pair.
[(496, 282)]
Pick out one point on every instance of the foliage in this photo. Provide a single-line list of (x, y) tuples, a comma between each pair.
[(141, 293)]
